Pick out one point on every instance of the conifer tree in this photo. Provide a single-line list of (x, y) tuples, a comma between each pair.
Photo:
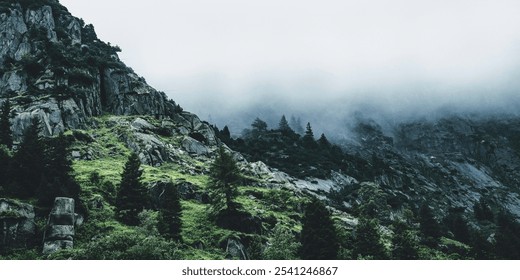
[(283, 125), (5, 160), (282, 245), (296, 125), (368, 242), (259, 127), (130, 198), (29, 162), (59, 172), (405, 243), (318, 238), (507, 237), (324, 142), (224, 175), (170, 212), (429, 227), (6, 137), (308, 138), (225, 135)]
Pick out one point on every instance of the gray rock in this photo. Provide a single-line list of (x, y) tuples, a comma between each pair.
[(193, 146), (42, 17), (142, 125), (12, 81), (235, 249), (150, 149), (17, 226), (59, 233), (13, 26)]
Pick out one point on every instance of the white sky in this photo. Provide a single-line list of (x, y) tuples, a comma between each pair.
[(202, 50)]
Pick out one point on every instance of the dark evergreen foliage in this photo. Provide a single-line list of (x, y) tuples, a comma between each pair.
[(457, 224), (429, 227), (59, 177), (130, 198), (507, 237), (368, 243), (6, 137), (285, 150), (283, 125), (318, 237), (405, 243), (308, 138), (483, 211), (5, 160), (225, 135), (28, 168), (170, 211), (224, 176)]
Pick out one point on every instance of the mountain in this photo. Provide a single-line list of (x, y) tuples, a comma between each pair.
[(450, 186)]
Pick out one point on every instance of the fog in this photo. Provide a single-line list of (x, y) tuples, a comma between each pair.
[(232, 60)]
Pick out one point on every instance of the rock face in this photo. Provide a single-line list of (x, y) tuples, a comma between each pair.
[(17, 224), (67, 75), (59, 233)]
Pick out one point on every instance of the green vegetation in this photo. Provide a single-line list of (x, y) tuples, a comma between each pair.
[(223, 185), (170, 224), (318, 237), (129, 200), (283, 148), (6, 137)]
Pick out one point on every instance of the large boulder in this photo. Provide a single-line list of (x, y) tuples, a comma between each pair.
[(17, 228), (59, 233), (235, 249), (193, 146)]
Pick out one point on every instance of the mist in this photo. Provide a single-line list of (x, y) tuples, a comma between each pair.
[(230, 61)]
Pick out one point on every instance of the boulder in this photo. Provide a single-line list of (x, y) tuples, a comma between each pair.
[(193, 146), (59, 233), (17, 228), (235, 249)]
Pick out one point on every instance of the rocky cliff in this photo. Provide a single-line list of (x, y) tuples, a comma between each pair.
[(53, 67)]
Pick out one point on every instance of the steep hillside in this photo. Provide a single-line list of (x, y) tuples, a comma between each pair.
[(433, 190)]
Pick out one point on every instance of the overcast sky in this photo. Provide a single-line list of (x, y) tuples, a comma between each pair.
[(204, 51)]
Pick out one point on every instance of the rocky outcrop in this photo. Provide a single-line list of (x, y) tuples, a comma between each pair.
[(17, 227), (194, 147), (12, 29), (59, 233), (65, 94), (235, 249)]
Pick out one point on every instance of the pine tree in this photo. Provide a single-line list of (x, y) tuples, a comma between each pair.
[(482, 210), (283, 125), (130, 198), (458, 225), (225, 135), (324, 142), (259, 127), (405, 243), (224, 175), (308, 138), (318, 238), (170, 212), (282, 245), (5, 160), (296, 125), (507, 237), (29, 162), (368, 243), (6, 137), (430, 228), (59, 172)]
